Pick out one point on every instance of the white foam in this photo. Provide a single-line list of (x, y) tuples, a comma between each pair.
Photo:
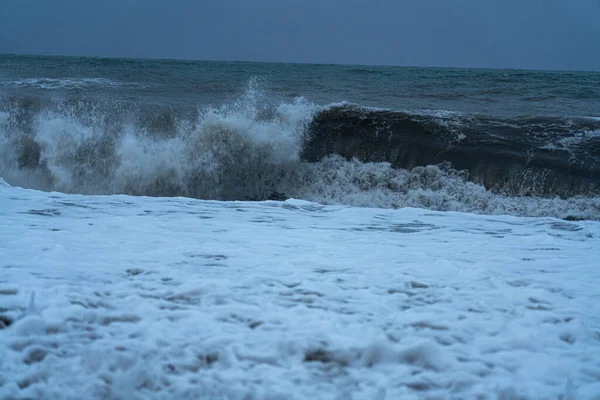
[(335, 180), (441, 113), (159, 298)]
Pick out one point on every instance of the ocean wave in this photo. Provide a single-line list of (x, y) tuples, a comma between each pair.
[(538, 156), (251, 149), (64, 83)]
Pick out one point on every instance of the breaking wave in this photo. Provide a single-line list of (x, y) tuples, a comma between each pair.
[(255, 149), (539, 156)]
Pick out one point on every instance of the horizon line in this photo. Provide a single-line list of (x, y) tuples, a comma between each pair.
[(548, 70)]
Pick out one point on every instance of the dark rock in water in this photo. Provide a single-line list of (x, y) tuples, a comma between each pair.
[(527, 156)]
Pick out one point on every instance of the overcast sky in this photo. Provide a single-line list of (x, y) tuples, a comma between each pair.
[(538, 34)]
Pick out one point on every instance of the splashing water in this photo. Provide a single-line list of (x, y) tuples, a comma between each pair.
[(249, 149)]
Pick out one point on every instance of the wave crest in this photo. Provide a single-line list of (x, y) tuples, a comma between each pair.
[(527, 156), (234, 151)]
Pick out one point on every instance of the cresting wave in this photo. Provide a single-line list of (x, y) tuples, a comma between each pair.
[(253, 149), (525, 156)]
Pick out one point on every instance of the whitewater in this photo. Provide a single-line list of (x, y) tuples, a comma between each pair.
[(257, 231), (121, 297)]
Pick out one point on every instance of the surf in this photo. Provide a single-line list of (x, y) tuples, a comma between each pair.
[(257, 147)]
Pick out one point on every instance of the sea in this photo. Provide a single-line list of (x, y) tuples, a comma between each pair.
[(261, 231), (513, 142)]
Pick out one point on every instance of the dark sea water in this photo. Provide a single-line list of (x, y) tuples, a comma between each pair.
[(504, 93), (484, 141)]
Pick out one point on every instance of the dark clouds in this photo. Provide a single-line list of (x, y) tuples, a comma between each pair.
[(545, 34)]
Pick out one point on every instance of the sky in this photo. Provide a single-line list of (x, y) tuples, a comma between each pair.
[(531, 34)]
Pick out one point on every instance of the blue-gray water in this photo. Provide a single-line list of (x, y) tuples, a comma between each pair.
[(494, 92), (486, 141)]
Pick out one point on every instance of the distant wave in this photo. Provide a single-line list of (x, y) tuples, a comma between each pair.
[(64, 83), (335, 154)]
